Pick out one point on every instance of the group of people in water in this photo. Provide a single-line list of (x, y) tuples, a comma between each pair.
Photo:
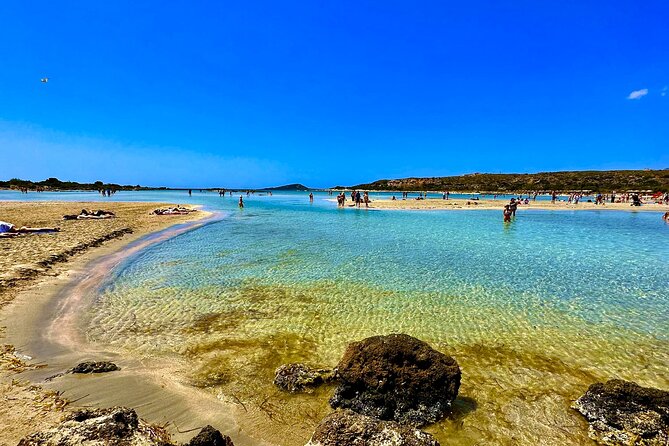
[(356, 197), (24, 190), (359, 198), (107, 192)]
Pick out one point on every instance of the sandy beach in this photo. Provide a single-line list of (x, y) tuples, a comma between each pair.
[(463, 204), (33, 267)]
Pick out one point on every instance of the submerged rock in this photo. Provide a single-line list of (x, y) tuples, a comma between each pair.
[(396, 377), (347, 428), (297, 377), (95, 367), (624, 413), (118, 426), (209, 436)]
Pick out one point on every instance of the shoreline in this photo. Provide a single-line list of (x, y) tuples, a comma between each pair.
[(459, 204), (41, 318)]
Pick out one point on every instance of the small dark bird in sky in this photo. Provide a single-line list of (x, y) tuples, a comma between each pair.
[(45, 80)]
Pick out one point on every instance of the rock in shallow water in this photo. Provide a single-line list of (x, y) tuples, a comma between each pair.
[(95, 367), (118, 426), (297, 377), (624, 413), (209, 436), (396, 377), (347, 428)]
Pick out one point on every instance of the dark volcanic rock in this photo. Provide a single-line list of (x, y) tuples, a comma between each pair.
[(209, 436), (347, 428), (95, 367), (396, 377), (117, 426), (297, 377), (622, 412)]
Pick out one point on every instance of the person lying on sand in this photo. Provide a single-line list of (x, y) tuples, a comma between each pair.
[(10, 230), (173, 211), (90, 215)]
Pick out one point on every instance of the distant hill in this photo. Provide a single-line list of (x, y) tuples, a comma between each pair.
[(291, 187), (598, 181), (56, 184)]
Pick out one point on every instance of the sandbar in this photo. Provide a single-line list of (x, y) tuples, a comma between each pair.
[(435, 204)]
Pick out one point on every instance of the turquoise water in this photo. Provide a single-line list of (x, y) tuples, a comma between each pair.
[(534, 311)]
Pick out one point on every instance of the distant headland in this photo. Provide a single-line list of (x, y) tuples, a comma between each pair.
[(54, 184), (289, 187), (587, 180)]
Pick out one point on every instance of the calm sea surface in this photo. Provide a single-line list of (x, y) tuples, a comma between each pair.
[(534, 311)]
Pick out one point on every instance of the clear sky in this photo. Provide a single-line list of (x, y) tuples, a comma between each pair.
[(251, 94)]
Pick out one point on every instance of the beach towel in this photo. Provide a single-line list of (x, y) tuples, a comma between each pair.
[(5, 227)]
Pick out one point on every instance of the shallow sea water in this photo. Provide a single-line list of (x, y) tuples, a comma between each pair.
[(534, 311)]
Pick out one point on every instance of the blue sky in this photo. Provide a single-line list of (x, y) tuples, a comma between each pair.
[(251, 94)]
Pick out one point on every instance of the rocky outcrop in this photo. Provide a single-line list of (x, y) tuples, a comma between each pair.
[(94, 367), (297, 377), (347, 428), (624, 413), (209, 436), (396, 377), (118, 426)]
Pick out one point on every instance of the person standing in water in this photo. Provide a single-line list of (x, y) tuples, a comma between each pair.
[(241, 202), (513, 206), (311, 197), (190, 192), (507, 213)]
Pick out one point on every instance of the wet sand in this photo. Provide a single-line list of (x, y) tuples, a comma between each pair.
[(32, 256), (463, 204), (33, 269)]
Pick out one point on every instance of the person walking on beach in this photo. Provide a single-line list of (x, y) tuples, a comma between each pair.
[(358, 199), (366, 199), (241, 202)]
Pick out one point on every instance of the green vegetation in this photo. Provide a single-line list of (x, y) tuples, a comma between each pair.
[(56, 184), (597, 181)]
